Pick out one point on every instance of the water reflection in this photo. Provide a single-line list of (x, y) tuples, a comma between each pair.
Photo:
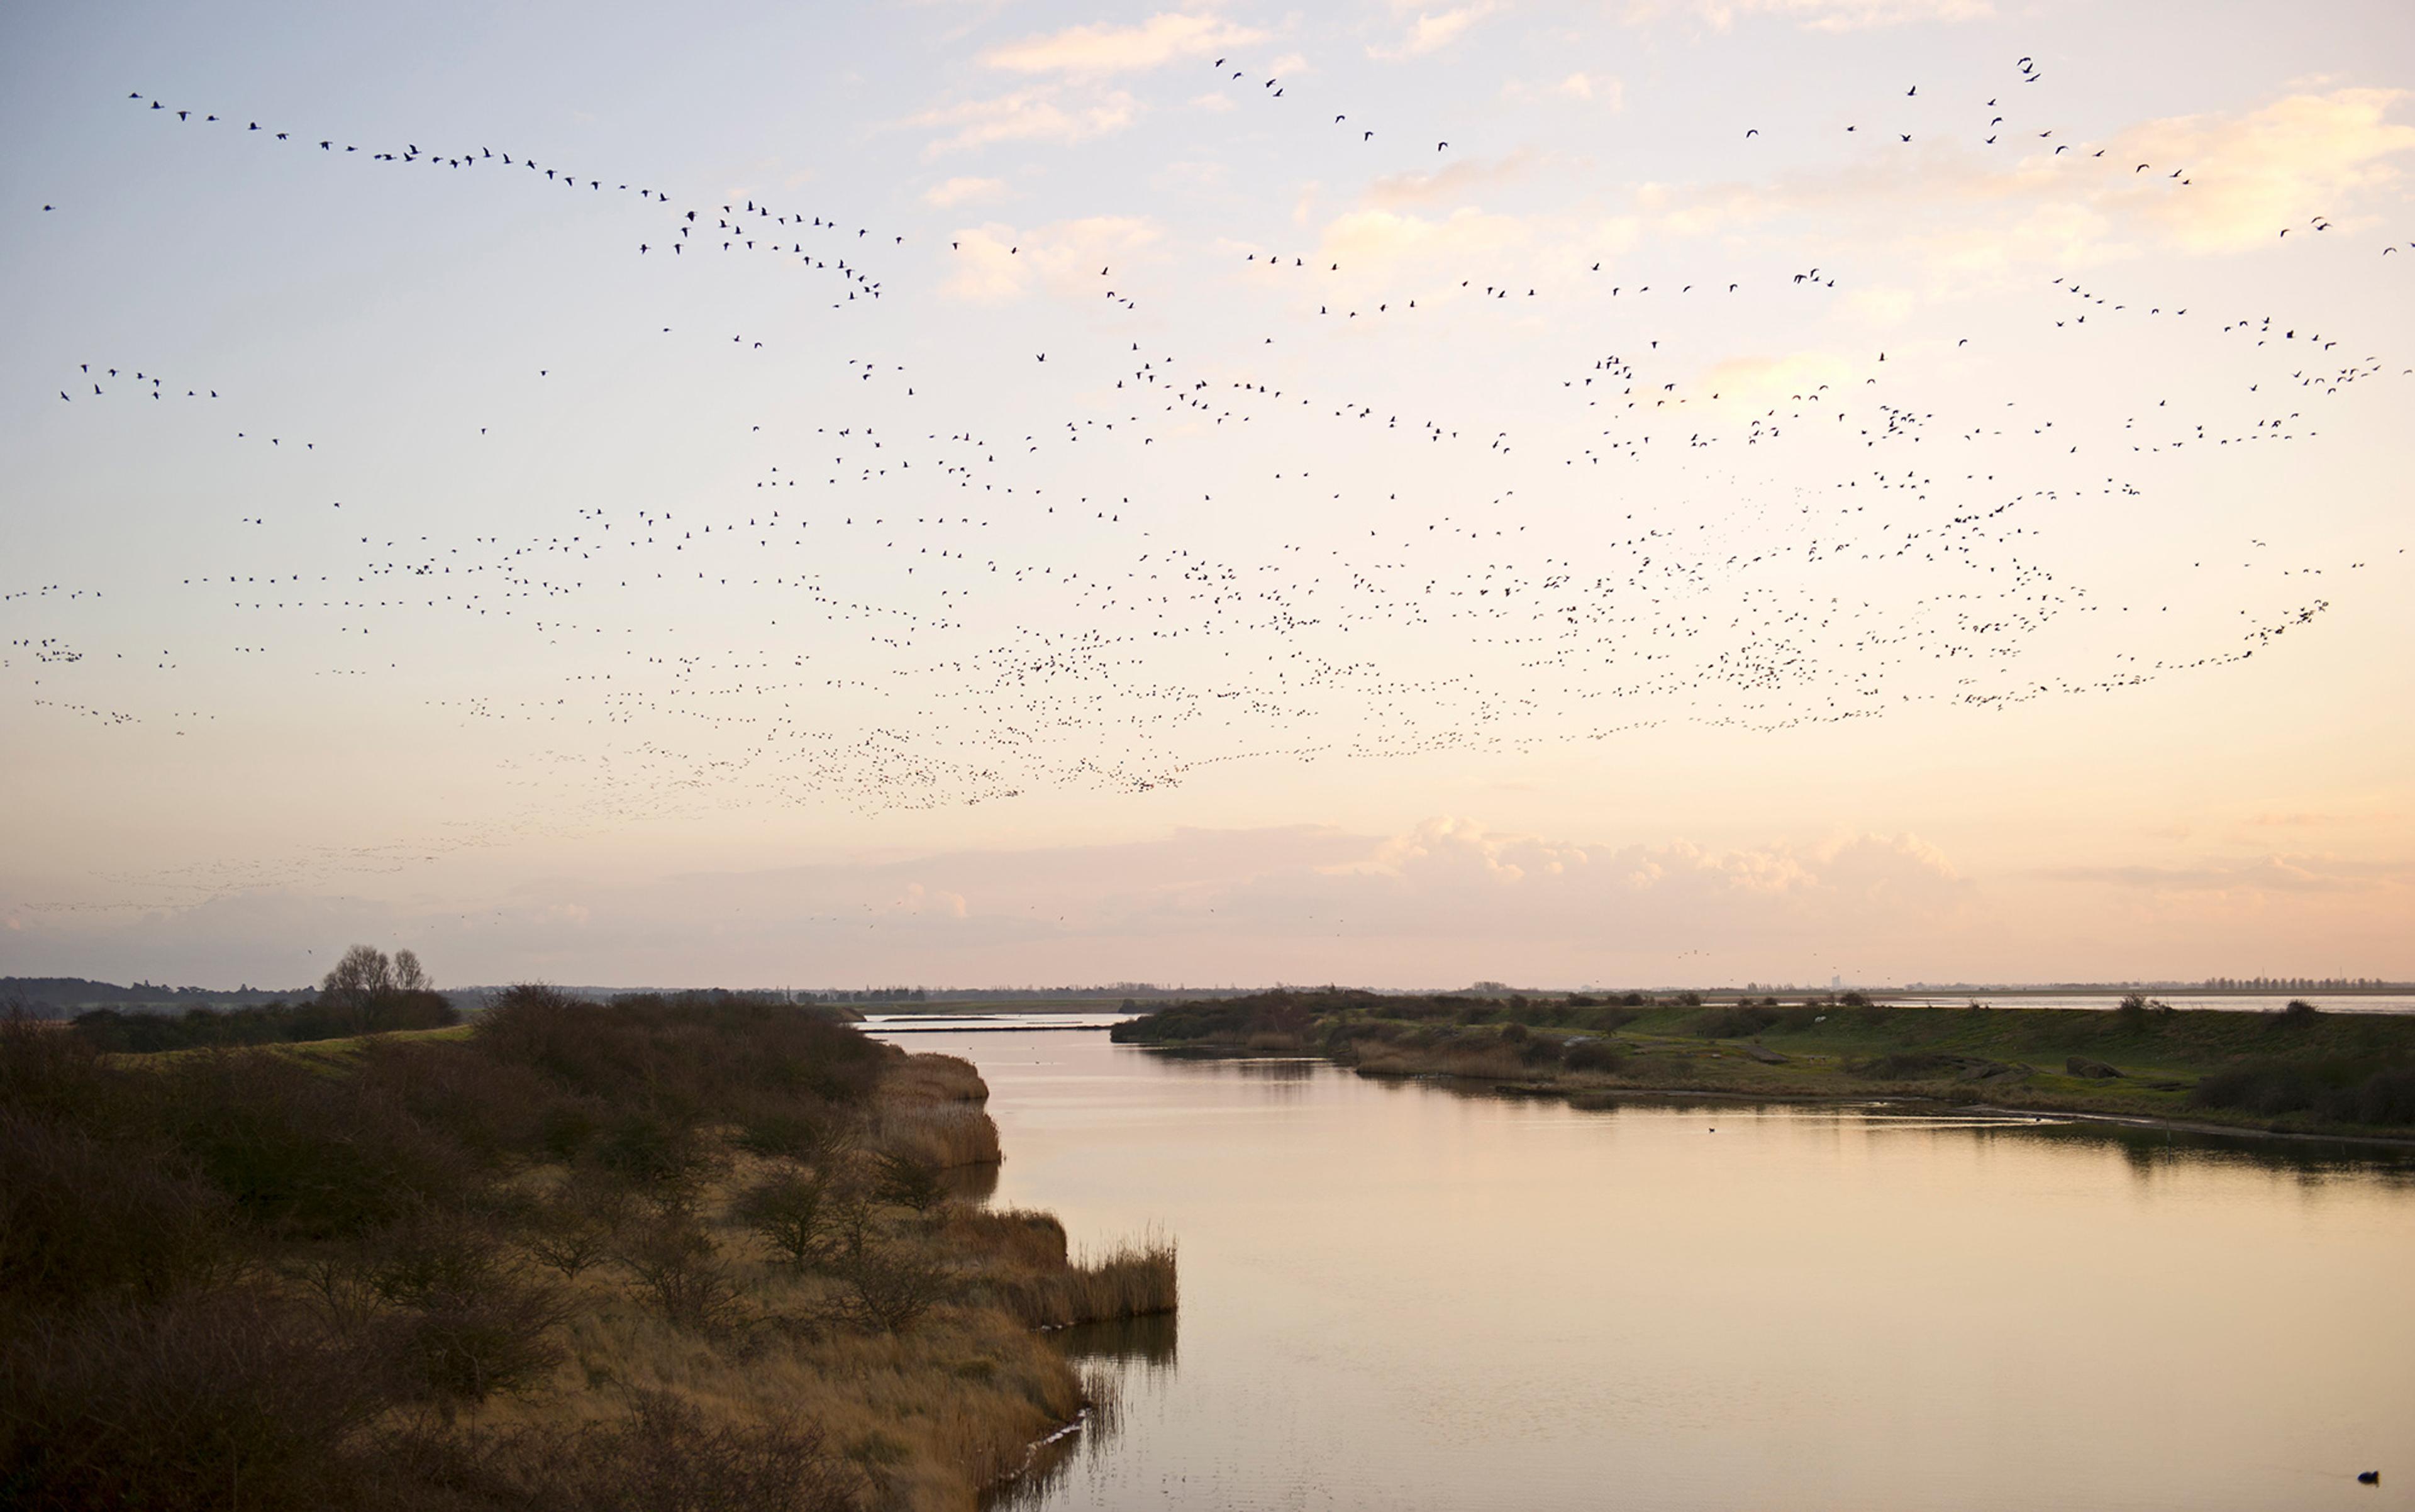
[(1148, 1342), (1115, 1359), (1405, 1294)]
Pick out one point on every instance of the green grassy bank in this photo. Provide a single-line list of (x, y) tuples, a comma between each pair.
[(2298, 1072)]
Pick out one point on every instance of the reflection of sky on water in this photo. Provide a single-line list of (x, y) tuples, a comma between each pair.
[(1400, 1295)]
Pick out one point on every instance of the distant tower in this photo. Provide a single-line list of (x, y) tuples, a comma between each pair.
[(1834, 982)]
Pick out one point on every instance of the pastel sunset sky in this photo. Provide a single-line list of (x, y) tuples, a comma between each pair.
[(1670, 493)]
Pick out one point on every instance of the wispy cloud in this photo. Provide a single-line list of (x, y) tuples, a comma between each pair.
[(1814, 15), (2252, 876), (1608, 91), (1097, 51), (995, 263), (956, 191), (1455, 181), (1433, 31), (1046, 113)]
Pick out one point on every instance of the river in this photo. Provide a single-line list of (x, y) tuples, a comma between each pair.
[(1400, 1295)]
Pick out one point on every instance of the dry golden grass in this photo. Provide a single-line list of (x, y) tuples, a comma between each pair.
[(935, 1078), (941, 1136), (934, 1414), (929, 1111)]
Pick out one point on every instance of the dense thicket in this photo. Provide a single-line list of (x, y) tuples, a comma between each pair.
[(244, 1279), (113, 1032)]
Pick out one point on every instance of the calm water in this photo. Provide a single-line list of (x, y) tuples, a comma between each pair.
[(1397, 1296)]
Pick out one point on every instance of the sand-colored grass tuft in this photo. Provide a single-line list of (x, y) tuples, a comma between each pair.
[(929, 1111)]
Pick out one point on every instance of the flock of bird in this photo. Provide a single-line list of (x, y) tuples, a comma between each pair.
[(947, 623)]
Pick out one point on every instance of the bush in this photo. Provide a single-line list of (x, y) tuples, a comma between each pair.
[(84, 1220), (1593, 1055), (2331, 1090), (1737, 1022), (793, 1213), (310, 1155), (575, 1230), (889, 1287), (226, 1398), (664, 1158), (684, 1276), (470, 1346), (909, 1182)]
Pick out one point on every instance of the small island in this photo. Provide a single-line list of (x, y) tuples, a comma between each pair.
[(2297, 1072)]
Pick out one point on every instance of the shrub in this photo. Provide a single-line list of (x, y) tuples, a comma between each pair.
[(470, 1346), (212, 1399), (684, 1276), (889, 1287), (2330, 1090), (1737, 1022), (311, 1155), (575, 1230), (1593, 1055), (2298, 1014), (489, 1108), (909, 1182), (797, 1130), (792, 1212), (46, 1072), (81, 1220), (664, 1158)]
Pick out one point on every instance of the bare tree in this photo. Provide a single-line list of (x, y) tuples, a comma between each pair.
[(408, 977), (364, 972)]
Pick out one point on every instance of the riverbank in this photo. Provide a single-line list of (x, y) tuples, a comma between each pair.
[(574, 1255), (2297, 1074)]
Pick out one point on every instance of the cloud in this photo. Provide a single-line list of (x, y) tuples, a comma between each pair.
[(1814, 15), (1372, 236), (1452, 182), (2251, 176), (1754, 382), (1433, 31), (1966, 221), (1097, 51), (2250, 877), (993, 263), (1610, 91), (1038, 115), (1438, 902), (956, 191), (935, 904)]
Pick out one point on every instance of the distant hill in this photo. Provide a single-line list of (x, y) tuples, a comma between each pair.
[(77, 993)]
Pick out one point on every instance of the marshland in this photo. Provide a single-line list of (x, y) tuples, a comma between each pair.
[(2296, 1071), (701, 1249)]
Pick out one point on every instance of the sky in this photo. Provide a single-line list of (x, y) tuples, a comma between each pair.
[(953, 493)]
